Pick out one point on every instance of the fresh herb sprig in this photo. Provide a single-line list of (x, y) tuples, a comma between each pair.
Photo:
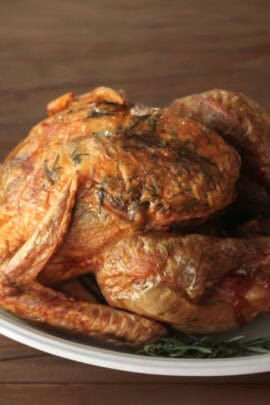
[(187, 346)]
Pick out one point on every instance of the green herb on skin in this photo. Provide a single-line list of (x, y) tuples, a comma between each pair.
[(186, 346), (96, 112), (77, 157), (52, 173), (100, 200)]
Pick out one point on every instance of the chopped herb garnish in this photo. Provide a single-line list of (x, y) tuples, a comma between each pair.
[(100, 200), (97, 112), (77, 157), (53, 172)]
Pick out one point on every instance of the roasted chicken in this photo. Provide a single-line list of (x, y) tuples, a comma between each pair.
[(136, 196)]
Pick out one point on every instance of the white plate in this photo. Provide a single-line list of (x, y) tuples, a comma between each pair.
[(22, 332)]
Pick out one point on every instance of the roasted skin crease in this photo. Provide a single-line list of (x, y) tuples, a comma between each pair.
[(96, 187), (245, 124)]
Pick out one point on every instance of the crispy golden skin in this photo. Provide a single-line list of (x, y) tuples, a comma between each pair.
[(239, 120), (94, 188), (243, 123), (197, 283)]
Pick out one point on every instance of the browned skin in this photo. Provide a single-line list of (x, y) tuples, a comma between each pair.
[(238, 119), (197, 283), (95, 188), (244, 124)]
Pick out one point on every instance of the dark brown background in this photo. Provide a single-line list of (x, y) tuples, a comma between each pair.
[(156, 50)]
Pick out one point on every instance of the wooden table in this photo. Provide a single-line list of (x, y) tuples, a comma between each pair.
[(156, 50)]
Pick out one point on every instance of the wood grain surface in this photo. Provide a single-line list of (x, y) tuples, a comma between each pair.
[(156, 51)]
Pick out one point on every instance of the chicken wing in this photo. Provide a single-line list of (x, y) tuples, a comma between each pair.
[(237, 118), (244, 124)]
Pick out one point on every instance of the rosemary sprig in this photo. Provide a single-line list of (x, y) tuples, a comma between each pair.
[(187, 346)]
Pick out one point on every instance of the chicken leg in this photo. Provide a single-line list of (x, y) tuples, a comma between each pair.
[(197, 283)]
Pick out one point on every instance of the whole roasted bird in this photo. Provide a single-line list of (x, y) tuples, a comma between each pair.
[(136, 195)]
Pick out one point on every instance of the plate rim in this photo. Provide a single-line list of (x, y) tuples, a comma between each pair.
[(24, 333)]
